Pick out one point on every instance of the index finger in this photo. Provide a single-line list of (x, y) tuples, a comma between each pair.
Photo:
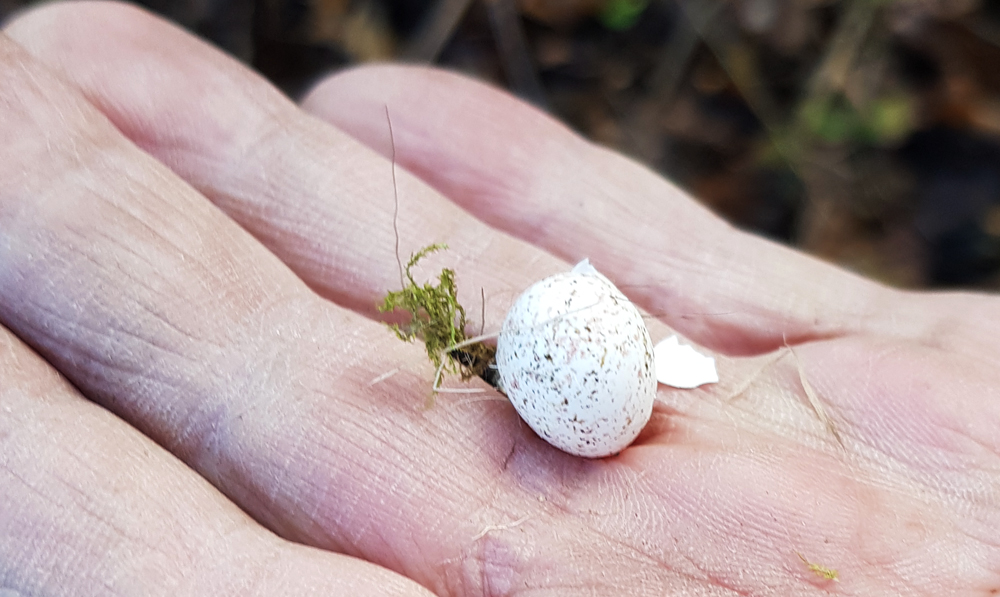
[(320, 200), (521, 171)]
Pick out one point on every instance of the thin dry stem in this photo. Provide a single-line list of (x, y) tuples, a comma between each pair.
[(749, 381), (383, 377), (499, 527), (814, 400), (395, 196)]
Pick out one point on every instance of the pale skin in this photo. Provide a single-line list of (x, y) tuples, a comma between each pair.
[(196, 399)]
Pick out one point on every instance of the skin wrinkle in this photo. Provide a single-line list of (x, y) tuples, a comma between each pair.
[(146, 340), (108, 586), (178, 254), (44, 495), (255, 357), (491, 565), (94, 261), (705, 416), (667, 498), (106, 365), (476, 560), (161, 318), (351, 432), (694, 566), (12, 60), (121, 529), (94, 356), (206, 559), (880, 454), (484, 558), (277, 103), (181, 250), (308, 255), (896, 452)]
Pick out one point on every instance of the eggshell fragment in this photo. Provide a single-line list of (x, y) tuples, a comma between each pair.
[(576, 361), (681, 366)]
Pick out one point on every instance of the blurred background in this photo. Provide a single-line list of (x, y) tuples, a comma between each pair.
[(866, 132)]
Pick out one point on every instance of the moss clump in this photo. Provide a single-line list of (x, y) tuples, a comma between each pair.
[(820, 571), (437, 318)]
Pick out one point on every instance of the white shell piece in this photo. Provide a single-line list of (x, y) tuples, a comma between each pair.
[(576, 361), (584, 267), (680, 366)]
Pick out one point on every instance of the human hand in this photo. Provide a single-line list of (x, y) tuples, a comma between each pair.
[(161, 308)]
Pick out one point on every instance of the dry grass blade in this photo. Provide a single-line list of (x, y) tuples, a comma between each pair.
[(750, 380), (813, 399)]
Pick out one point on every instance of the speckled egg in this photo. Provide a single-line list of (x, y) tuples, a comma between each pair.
[(576, 361)]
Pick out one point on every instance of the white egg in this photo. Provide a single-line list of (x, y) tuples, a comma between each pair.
[(576, 361)]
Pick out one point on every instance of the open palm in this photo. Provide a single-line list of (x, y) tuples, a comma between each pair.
[(202, 258)]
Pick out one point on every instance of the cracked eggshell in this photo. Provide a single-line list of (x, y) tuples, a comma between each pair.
[(576, 361)]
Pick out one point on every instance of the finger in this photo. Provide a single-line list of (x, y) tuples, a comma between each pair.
[(88, 506), (522, 172), (290, 179)]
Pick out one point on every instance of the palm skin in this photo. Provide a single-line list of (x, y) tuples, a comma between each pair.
[(202, 258)]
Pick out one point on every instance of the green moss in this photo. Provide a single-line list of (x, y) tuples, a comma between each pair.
[(437, 319)]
